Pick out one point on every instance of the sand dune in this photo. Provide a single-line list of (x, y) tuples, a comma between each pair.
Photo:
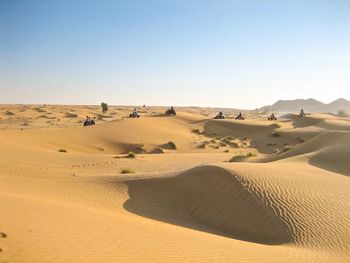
[(288, 203)]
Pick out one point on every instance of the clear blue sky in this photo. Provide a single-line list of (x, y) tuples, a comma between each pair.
[(208, 53)]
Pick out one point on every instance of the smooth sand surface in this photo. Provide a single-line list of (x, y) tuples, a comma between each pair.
[(70, 193)]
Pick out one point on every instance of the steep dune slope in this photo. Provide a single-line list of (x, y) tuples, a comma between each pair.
[(207, 198)]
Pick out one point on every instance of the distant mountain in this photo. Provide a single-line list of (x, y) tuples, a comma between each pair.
[(309, 105)]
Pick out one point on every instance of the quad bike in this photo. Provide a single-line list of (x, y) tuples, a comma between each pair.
[(134, 115), (89, 122), (239, 117), (220, 115), (302, 113), (170, 112), (272, 118)]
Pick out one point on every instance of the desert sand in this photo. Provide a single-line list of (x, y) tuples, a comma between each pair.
[(196, 190)]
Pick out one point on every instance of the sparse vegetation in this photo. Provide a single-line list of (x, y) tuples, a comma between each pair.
[(343, 113), (126, 171), (8, 113), (242, 157), (131, 155), (62, 150), (201, 146), (140, 148), (172, 145), (238, 158), (104, 107), (196, 131), (252, 154), (40, 110)]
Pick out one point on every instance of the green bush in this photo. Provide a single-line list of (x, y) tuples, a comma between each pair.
[(343, 113), (251, 154), (238, 158), (104, 107), (172, 145), (131, 155), (126, 171)]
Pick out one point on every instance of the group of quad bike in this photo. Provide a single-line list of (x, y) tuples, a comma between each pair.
[(220, 115), (272, 117), (171, 112)]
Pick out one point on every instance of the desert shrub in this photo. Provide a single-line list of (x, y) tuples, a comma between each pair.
[(126, 171), (104, 107), (343, 113), (40, 110), (140, 148), (172, 145), (201, 146), (238, 158), (242, 157), (9, 113), (62, 150), (251, 154), (131, 155)]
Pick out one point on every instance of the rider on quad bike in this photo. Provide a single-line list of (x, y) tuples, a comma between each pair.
[(170, 111), (220, 115), (239, 117), (134, 114)]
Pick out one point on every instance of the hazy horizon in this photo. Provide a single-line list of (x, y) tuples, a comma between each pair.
[(230, 54)]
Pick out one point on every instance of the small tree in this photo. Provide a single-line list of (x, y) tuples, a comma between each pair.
[(104, 107), (342, 113)]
